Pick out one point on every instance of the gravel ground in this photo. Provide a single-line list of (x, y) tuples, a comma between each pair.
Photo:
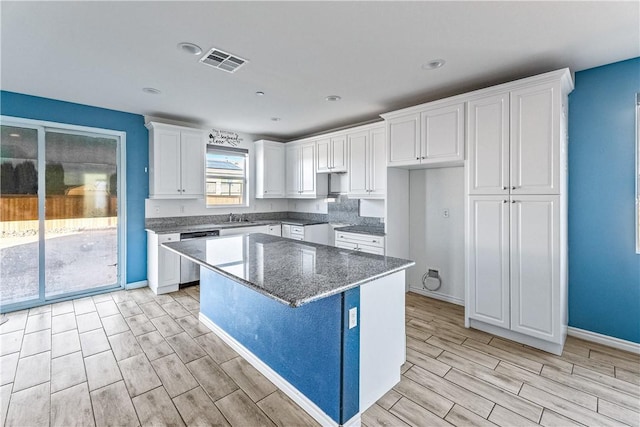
[(74, 262)]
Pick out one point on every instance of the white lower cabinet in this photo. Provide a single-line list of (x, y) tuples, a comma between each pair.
[(163, 266), (516, 282), (360, 242), (274, 229)]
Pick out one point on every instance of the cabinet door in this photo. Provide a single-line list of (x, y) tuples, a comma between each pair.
[(292, 169), (488, 145), (358, 168), (168, 262), (378, 164), (404, 140), (535, 266), (442, 134), (165, 172), (535, 140), (323, 147), (274, 170), (488, 259), (192, 163), (339, 154), (308, 169)]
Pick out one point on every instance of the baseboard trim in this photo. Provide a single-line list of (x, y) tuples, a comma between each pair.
[(136, 285), (437, 295), (295, 395), (607, 340)]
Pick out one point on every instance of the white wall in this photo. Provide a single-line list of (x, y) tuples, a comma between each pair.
[(167, 208), (308, 205), (437, 242), (397, 217)]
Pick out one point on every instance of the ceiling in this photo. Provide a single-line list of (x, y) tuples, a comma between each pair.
[(369, 53)]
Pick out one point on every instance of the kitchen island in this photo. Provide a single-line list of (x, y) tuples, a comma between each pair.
[(326, 325)]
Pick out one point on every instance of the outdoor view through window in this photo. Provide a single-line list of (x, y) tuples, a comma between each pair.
[(226, 176)]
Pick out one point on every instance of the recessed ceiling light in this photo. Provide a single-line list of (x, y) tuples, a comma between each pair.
[(259, 93), (432, 65), (151, 90), (275, 119), (333, 98), (14, 135), (190, 48)]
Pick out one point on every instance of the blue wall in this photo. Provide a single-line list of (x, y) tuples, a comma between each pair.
[(32, 107), (604, 270)]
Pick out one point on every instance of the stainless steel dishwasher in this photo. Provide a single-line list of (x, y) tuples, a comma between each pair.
[(189, 270)]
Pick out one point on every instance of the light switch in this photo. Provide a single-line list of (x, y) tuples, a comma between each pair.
[(353, 317)]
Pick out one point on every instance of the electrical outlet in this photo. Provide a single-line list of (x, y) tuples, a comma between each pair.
[(181, 208), (445, 213), (353, 317)]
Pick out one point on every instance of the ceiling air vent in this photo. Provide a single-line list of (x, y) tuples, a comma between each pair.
[(221, 60)]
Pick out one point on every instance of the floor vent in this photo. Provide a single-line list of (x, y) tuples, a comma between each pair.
[(222, 60)]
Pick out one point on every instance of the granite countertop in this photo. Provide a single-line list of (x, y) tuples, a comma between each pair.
[(294, 221), (173, 228), (363, 229), (289, 271)]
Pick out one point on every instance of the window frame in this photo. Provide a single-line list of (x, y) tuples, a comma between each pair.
[(221, 150)]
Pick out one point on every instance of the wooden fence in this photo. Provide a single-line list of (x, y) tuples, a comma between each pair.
[(19, 213)]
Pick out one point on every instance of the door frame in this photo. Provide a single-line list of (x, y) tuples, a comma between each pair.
[(42, 126)]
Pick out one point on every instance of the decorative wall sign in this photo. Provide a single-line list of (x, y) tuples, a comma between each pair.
[(223, 137)]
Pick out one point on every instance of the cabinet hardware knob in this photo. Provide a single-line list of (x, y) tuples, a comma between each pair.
[(423, 157), (265, 191), (417, 158), (513, 188), (504, 188), (504, 201), (178, 190), (513, 201)]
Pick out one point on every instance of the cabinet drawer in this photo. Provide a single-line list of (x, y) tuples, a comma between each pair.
[(164, 238), (361, 239), (295, 229)]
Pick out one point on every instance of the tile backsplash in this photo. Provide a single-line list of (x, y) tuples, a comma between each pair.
[(347, 211)]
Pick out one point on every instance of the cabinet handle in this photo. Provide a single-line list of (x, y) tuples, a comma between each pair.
[(504, 201), (513, 201), (265, 191), (417, 158), (513, 188), (423, 157), (504, 188), (178, 190)]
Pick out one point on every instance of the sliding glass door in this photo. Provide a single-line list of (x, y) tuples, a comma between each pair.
[(19, 215), (60, 217)]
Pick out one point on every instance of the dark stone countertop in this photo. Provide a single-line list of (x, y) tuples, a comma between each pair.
[(363, 229), (289, 271)]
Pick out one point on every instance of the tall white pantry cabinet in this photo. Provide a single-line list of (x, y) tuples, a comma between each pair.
[(516, 210)]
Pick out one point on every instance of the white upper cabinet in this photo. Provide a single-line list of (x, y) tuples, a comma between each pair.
[(367, 164), (404, 140), (332, 154), (535, 139), (270, 169), (488, 144), (300, 166), (514, 141), (176, 161), (442, 135), (433, 136)]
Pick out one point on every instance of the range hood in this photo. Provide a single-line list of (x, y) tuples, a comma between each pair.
[(337, 184)]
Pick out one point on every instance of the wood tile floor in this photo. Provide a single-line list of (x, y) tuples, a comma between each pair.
[(466, 377), (133, 358), (130, 358)]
